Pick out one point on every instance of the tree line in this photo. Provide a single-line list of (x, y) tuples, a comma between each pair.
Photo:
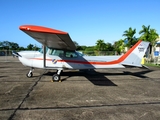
[(146, 34), (6, 45)]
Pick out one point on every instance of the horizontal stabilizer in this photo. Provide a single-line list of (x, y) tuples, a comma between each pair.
[(131, 65)]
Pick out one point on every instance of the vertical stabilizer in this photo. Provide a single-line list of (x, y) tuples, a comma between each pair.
[(134, 56)]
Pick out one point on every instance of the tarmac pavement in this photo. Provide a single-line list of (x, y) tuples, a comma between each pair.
[(114, 94)]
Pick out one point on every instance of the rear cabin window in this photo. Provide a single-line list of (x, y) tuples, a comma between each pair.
[(70, 54)]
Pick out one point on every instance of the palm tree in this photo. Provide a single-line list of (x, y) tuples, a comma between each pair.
[(145, 33), (129, 34), (149, 35), (100, 45), (119, 46), (153, 36)]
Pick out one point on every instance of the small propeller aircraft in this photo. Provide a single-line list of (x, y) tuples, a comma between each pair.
[(59, 52)]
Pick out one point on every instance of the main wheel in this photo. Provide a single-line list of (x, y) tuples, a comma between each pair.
[(56, 77), (29, 74)]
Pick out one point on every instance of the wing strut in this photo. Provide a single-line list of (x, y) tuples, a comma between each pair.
[(44, 56)]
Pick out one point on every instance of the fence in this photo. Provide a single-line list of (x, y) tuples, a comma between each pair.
[(98, 53), (6, 56)]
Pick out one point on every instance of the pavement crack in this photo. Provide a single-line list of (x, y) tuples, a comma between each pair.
[(92, 106), (27, 95)]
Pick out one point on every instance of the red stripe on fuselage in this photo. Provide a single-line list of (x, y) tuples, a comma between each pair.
[(122, 58)]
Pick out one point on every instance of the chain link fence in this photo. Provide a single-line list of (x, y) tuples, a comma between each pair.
[(98, 53), (6, 56)]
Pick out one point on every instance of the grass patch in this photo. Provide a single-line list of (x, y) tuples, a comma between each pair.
[(151, 65)]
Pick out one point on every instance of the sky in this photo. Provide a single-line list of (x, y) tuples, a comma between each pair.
[(86, 21)]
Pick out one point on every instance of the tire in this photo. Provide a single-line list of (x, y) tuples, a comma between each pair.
[(56, 78), (29, 74)]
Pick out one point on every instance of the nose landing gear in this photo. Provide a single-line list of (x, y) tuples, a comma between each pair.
[(30, 73)]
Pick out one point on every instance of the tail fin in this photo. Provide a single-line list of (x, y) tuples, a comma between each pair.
[(134, 56)]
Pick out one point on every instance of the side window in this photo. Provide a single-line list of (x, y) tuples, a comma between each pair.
[(70, 54), (59, 53)]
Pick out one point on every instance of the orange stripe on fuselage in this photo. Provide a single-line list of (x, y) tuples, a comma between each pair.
[(122, 58)]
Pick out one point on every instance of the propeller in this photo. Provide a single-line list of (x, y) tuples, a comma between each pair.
[(16, 54)]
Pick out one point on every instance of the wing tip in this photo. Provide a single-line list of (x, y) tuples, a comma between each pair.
[(36, 28)]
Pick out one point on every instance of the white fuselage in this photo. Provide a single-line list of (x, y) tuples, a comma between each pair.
[(61, 59)]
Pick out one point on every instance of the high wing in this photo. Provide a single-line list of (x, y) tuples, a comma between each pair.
[(50, 37)]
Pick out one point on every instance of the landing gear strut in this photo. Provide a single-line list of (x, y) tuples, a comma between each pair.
[(56, 77), (30, 73)]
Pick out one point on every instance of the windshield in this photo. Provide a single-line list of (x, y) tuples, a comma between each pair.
[(41, 50), (79, 53)]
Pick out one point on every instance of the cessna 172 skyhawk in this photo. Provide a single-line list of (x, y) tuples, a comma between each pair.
[(59, 52)]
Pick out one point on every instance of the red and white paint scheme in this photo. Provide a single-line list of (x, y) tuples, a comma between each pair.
[(59, 52)]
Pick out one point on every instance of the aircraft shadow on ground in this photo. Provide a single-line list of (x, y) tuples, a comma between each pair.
[(96, 79), (140, 74), (99, 78), (2, 76)]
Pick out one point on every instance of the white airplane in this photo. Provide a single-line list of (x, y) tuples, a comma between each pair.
[(59, 52)]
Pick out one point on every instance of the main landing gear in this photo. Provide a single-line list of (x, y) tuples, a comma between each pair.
[(56, 77)]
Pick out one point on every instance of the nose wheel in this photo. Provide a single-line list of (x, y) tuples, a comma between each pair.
[(30, 73)]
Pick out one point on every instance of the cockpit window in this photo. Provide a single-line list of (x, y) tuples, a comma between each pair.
[(71, 54), (40, 50), (63, 53), (80, 54)]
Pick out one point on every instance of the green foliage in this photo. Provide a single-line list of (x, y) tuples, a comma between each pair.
[(21, 48), (82, 48), (119, 46), (30, 47), (148, 34), (109, 47), (100, 45), (9, 45), (89, 51), (129, 34), (153, 36), (151, 65), (6, 45), (145, 32)]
